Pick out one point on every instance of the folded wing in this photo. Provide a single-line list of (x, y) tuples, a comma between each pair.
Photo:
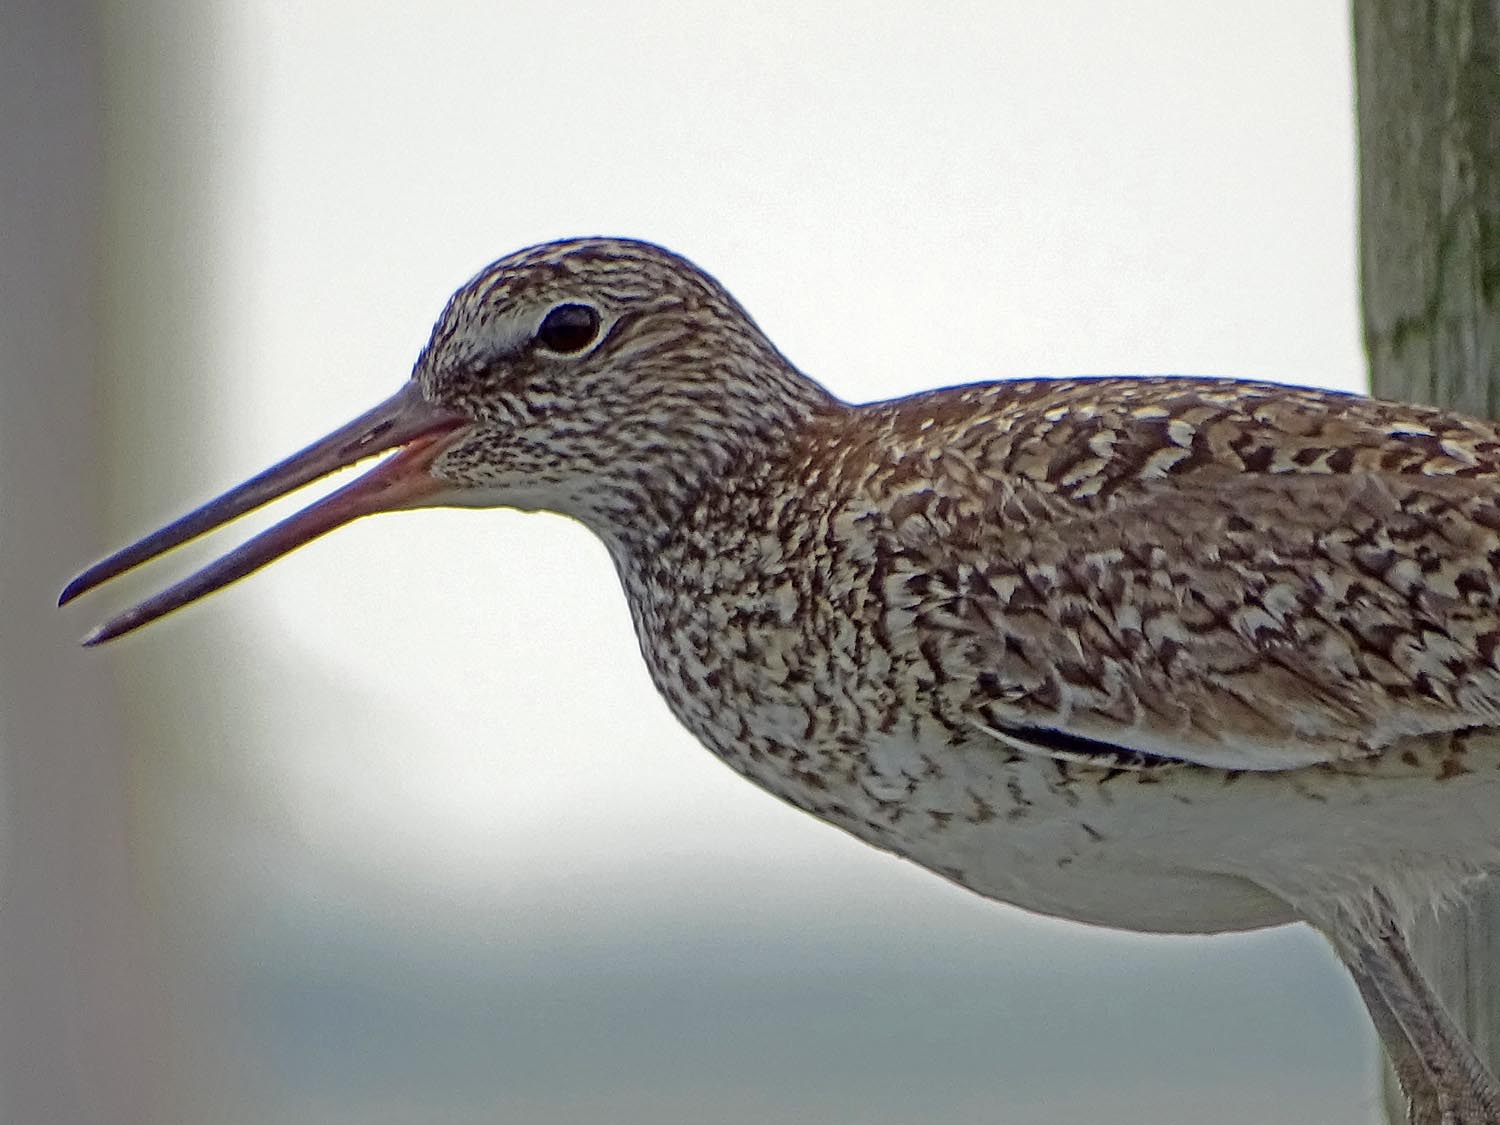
[(1232, 575)]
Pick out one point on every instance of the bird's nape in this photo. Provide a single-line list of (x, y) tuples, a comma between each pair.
[(406, 421)]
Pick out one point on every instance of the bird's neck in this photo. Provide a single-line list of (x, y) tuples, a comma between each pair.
[(714, 444)]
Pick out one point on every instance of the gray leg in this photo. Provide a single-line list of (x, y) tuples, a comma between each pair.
[(1417, 1082), (1446, 1082)]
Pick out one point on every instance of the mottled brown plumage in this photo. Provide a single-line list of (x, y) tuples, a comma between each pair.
[(1161, 653)]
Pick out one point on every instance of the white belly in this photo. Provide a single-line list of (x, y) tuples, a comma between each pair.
[(1183, 850)]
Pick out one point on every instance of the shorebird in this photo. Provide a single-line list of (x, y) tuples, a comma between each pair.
[(1179, 655)]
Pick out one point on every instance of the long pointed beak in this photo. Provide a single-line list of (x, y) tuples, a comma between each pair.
[(402, 480)]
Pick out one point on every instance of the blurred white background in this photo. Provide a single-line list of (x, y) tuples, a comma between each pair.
[(398, 830)]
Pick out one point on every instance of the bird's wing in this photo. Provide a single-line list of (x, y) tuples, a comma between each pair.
[(1253, 581)]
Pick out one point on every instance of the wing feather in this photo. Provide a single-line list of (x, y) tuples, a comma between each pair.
[(1232, 575)]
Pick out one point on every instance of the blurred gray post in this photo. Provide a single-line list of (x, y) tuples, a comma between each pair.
[(82, 1026), (1428, 80)]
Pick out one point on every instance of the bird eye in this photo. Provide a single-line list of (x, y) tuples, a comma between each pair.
[(568, 328)]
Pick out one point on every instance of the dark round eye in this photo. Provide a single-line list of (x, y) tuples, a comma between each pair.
[(568, 328)]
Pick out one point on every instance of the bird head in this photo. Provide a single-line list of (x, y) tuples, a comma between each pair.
[(605, 379)]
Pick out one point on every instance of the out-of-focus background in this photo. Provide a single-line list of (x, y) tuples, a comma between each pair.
[(398, 830)]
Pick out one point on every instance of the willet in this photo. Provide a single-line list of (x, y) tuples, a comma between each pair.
[(1166, 654)]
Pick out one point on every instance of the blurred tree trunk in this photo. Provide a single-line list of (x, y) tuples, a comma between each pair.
[(82, 1017), (1427, 74), (109, 141)]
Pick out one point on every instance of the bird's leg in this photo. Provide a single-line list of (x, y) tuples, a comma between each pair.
[(1417, 1082), (1465, 1088), (1445, 1080)]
